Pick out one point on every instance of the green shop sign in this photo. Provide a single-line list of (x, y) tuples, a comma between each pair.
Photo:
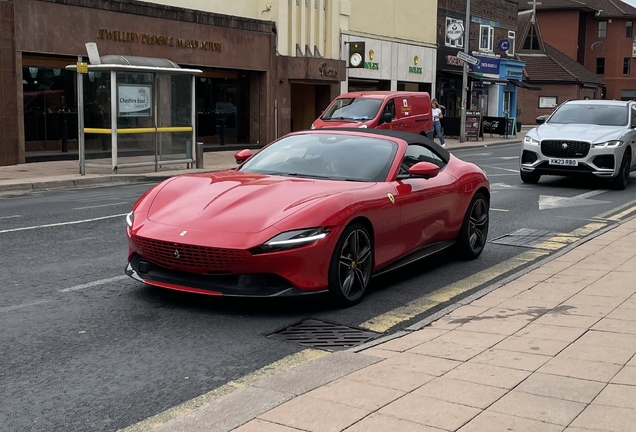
[(415, 69), (372, 65)]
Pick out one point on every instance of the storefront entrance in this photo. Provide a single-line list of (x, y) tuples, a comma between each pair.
[(308, 101)]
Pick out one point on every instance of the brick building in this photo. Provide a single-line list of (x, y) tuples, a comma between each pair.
[(556, 76), (596, 33), (493, 40)]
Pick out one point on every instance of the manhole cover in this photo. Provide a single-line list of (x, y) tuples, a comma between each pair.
[(536, 238), (324, 335)]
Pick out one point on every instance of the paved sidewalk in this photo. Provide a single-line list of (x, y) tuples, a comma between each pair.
[(553, 349), (65, 174)]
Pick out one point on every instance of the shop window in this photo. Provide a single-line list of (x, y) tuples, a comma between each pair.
[(486, 38), (602, 29), (629, 29), (627, 61), (49, 107), (600, 65), (457, 43), (511, 39)]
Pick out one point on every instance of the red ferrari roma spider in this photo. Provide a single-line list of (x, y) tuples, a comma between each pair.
[(314, 211)]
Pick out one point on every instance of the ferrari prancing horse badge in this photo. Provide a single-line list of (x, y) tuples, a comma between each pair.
[(391, 197)]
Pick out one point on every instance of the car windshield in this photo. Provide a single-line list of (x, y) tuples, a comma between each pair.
[(602, 115), (352, 109), (326, 156)]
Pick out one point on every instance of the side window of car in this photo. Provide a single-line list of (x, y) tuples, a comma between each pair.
[(633, 123), (417, 153), (390, 108)]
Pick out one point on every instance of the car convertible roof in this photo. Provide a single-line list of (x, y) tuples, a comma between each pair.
[(410, 138)]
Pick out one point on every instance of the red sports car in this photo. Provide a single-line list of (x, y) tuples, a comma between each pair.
[(314, 211)]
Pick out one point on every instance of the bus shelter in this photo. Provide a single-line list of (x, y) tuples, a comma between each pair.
[(140, 111)]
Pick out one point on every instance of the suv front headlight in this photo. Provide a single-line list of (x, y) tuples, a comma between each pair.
[(608, 144), (129, 219), (528, 140)]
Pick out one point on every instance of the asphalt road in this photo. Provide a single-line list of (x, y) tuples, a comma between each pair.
[(84, 348)]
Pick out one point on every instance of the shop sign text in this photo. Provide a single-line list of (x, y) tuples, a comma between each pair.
[(328, 71), (415, 69), (151, 39), (452, 60), (372, 65)]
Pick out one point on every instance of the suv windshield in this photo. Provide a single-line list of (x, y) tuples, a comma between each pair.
[(352, 109), (602, 115)]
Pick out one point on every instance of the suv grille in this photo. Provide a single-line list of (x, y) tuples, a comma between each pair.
[(170, 254), (565, 149)]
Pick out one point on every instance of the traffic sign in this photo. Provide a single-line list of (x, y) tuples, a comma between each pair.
[(467, 58)]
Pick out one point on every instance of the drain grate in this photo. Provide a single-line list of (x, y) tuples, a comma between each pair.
[(535, 238), (324, 335)]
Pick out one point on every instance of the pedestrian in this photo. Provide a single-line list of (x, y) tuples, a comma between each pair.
[(437, 125)]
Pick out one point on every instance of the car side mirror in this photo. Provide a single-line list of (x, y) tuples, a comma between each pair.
[(242, 155), (426, 170), (540, 119), (387, 117)]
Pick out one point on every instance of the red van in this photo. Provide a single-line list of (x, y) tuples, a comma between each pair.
[(396, 110)]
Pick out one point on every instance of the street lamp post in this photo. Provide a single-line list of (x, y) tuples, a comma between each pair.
[(462, 128)]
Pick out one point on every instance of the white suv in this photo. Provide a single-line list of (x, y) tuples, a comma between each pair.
[(582, 138)]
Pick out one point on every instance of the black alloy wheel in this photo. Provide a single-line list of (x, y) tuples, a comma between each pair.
[(474, 231), (620, 181), (351, 265)]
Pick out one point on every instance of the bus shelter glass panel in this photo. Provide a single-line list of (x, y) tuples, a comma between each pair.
[(97, 114), (174, 117), (135, 117)]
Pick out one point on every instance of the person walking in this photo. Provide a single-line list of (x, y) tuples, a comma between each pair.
[(437, 125)]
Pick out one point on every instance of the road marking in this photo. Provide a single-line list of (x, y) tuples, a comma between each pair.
[(622, 214), (508, 157), (62, 223), (10, 217), (617, 208), (289, 362), (387, 320), (548, 202), (97, 206), (94, 283), (23, 305), (498, 210), (503, 169)]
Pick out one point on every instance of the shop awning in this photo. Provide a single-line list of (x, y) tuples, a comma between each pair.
[(525, 85), (474, 76)]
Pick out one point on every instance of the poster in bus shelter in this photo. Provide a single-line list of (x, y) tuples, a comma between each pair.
[(134, 100)]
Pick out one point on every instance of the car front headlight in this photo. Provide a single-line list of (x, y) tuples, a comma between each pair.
[(129, 219), (313, 126), (529, 140), (292, 239), (608, 144)]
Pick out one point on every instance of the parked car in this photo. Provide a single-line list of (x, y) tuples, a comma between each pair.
[(400, 111), (315, 211), (593, 138)]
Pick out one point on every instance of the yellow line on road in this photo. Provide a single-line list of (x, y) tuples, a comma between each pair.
[(615, 209), (389, 319), (622, 214), (283, 364)]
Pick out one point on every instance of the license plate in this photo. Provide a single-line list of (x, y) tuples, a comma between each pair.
[(564, 162)]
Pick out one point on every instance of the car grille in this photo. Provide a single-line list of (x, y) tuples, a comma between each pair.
[(565, 149), (171, 254)]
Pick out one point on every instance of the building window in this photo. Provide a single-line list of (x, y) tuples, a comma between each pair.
[(600, 65), (626, 65), (486, 37), (629, 29), (459, 42), (511, 39), (602, 29), (532, 40)]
